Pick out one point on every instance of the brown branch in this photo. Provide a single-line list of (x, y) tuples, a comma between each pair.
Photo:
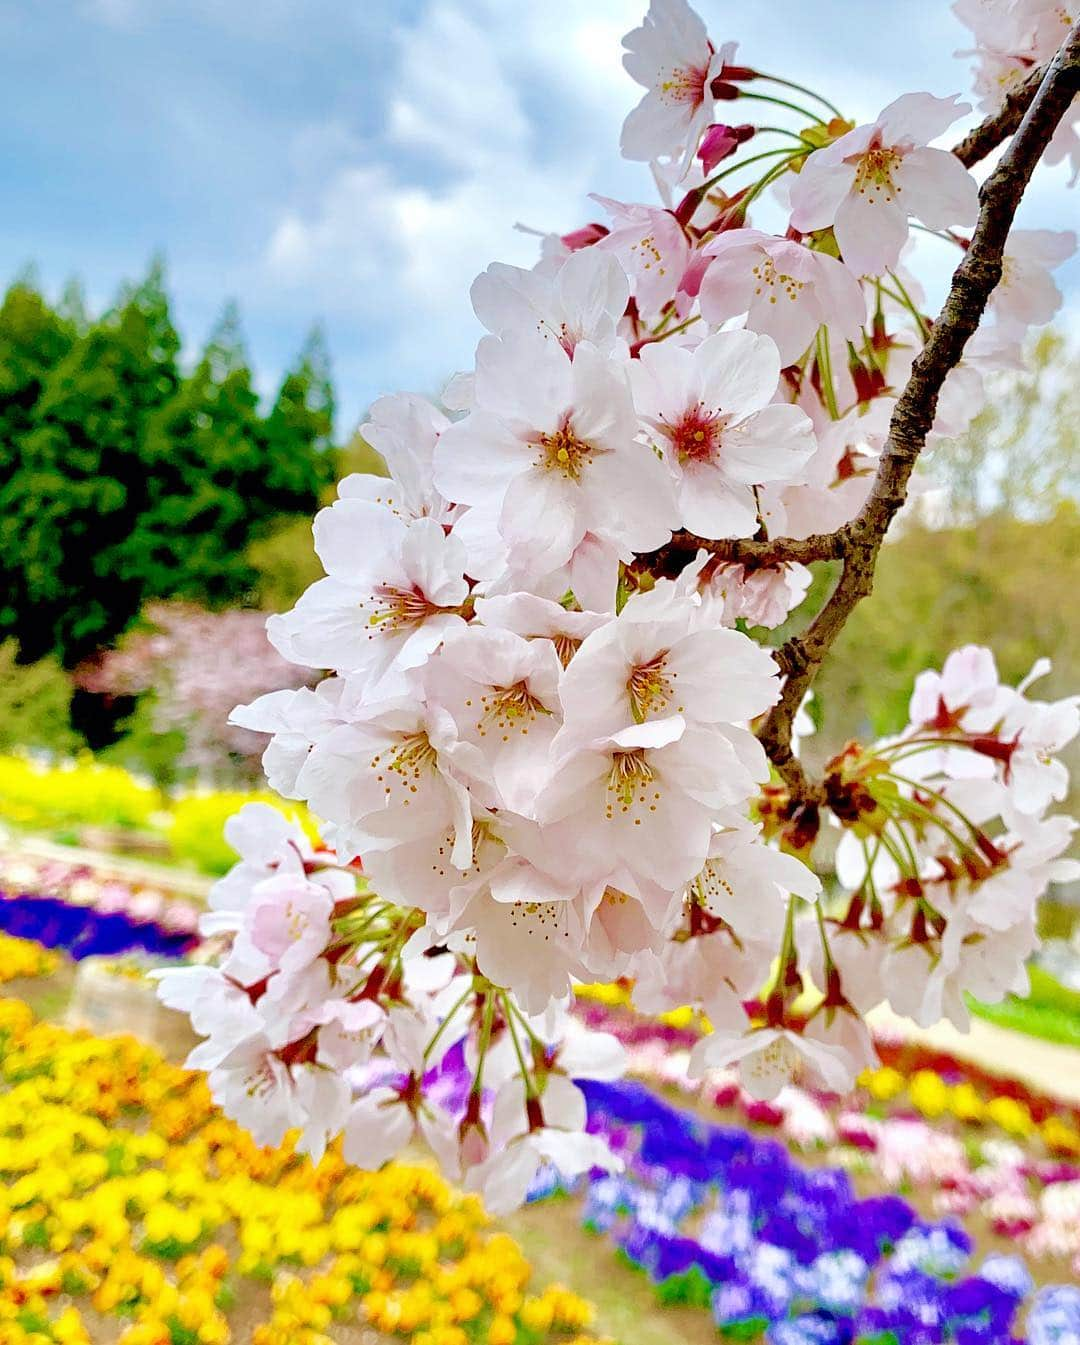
[(986, 137), (972, 284), (975, 146)]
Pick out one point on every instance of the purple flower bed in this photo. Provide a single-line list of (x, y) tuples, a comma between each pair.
[(727, 1221), (81, 931)]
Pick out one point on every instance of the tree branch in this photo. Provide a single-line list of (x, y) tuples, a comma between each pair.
[(986, 137), (975, 146), (972, 284)]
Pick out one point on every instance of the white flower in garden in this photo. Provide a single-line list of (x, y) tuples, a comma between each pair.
[(786, 290), (647, 795), (390, 777), (870, 182), (770, 1057), (536, 618), (381, 1122), (208, 997), (268, 843), (843, 1029), (528, 926), (503, 693), (841, 473), (1026, 294), (710, 412), (288, 920), (1034, 862), (423, 873), (656, 659), (392, 591), (653, 248), (403, 429), (1041, 729), (519, 1146), (550, 454), (348, 1031), (761, 596), (672, 57), (294, 720), (857, 957), (625, 918), (747, 883), (254, 1086), (583, 300)]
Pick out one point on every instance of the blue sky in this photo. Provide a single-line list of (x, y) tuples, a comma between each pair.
[(358, 161)]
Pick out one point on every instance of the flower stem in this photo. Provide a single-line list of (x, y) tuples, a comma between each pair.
[(781, 102), (801, 88)]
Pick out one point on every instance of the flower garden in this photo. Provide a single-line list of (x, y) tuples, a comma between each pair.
[(939, 1202), (936, 1203), (620, 976)]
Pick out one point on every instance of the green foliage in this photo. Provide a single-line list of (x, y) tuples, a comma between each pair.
[(285, 564), (126, 482), (80, 483), (35, 704), (1045, 1021), (145, 748), (1004, 582), (1021, 454)]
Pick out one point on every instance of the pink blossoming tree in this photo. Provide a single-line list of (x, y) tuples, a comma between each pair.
[(553, 732)]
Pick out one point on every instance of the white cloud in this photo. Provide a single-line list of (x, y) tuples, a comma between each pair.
[(501, 111)]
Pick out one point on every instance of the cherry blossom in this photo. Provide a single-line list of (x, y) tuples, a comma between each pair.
[(656, 659), (392, 591), (647, 793), (708, 411), (403, 430), (1026, 293), (583, 301), (867, 184), (671, 55), (652, 246), (786, 290), (549, 454), (537, 758)]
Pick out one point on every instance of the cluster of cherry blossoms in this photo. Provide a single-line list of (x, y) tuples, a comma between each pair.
[(533, 750)]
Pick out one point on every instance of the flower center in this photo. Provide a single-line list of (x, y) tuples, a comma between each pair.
[(566, 646), (629, 783), (682, 84), (697, 436), (260, 1080), (562, 451), (396, 609), (543, 918), (874, 173), (510, 709), (410, 762), (650, 688), (768, 278)]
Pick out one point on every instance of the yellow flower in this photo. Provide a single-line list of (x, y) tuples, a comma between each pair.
[(929, 1094)]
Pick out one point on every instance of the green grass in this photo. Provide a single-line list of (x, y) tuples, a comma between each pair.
[(1050, 1012)]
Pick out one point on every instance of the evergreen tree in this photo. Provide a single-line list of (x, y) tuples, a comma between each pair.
[(69, 506), (220, 474), (299, 429)]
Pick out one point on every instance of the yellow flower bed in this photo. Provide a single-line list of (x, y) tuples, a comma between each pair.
[(23, 958), (36, 796), (127, 1199), (83, 792)]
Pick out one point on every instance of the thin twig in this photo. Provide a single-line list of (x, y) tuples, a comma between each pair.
[(986, 137), (972, 284)]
